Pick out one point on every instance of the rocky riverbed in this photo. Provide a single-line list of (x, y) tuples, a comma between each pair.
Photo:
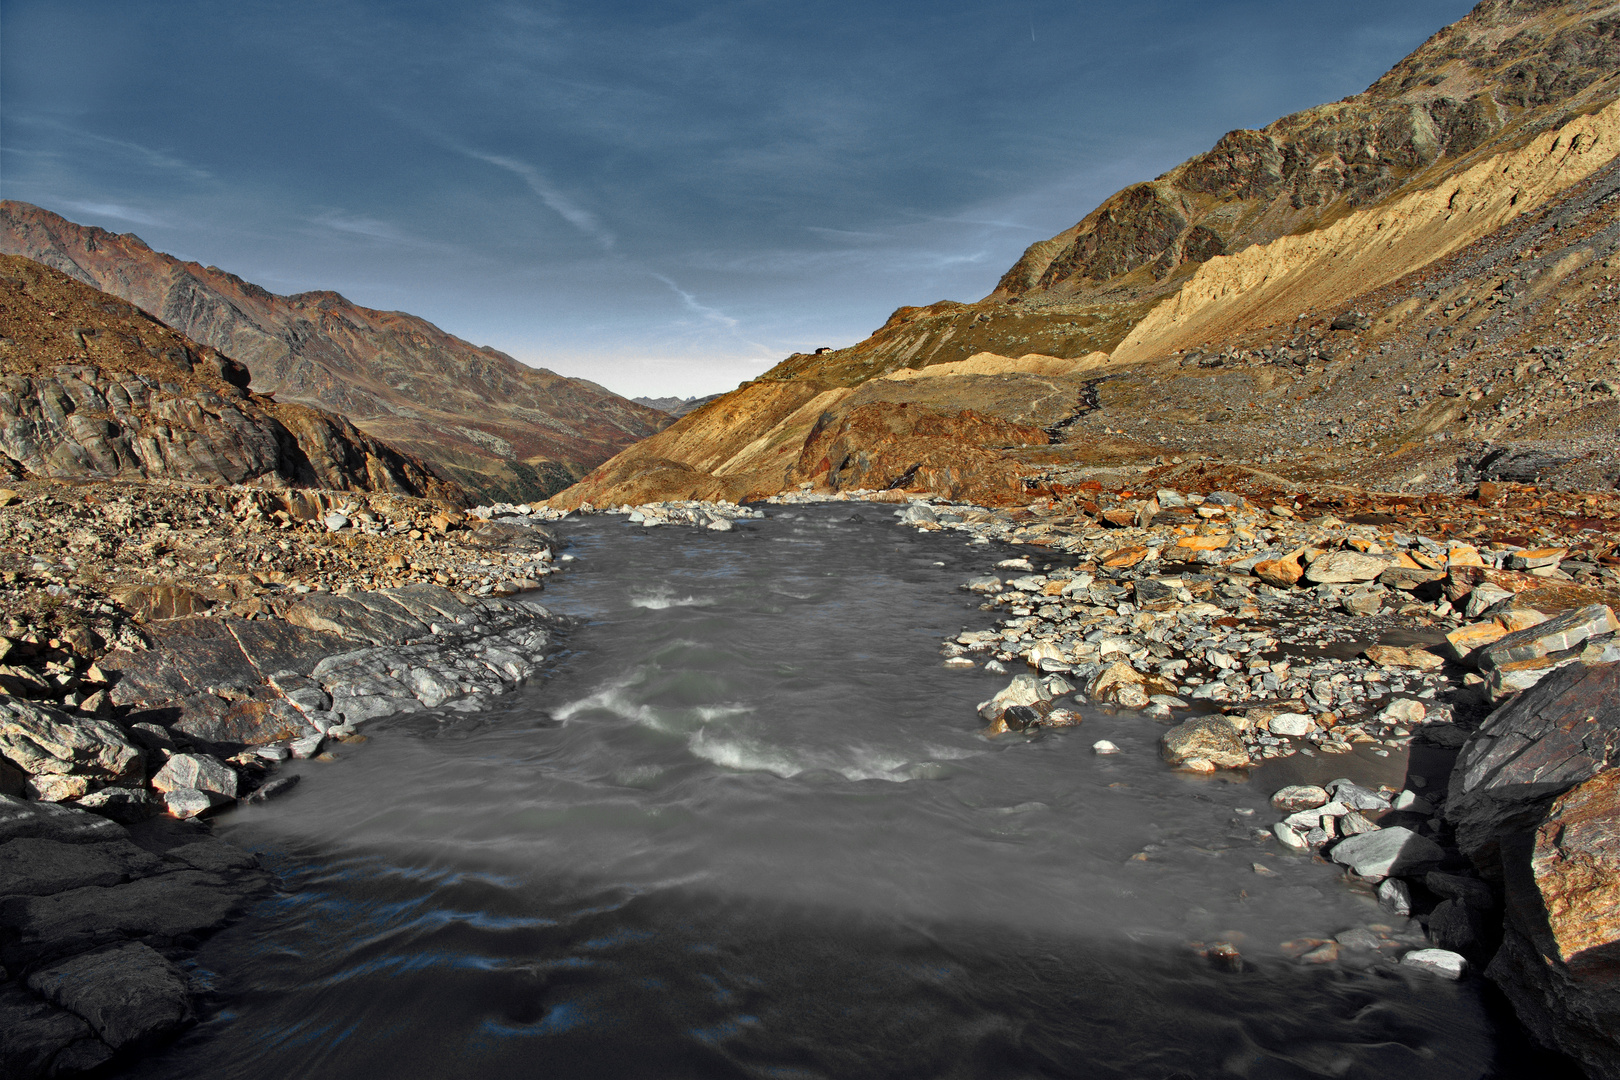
[(166, 647), (149, 695), (1255, 631)]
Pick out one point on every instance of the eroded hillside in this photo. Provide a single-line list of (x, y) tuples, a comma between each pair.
[(500, 427), (1252, 250), (91, 387)]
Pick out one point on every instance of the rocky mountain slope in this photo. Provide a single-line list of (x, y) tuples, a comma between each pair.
[(500, 428), (1371, 238), (91, 387)]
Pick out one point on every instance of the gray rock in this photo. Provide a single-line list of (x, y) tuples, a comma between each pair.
[(37, 866), (128, 994), (1558, 633), (1023, 690), (1441, 962), (1454, 925), (1562, 731), (162, 908), (1341, 567), (20, 817), (199, 772), (1298, 797), (188, 802), (1395, 896), (1205, 738), (1386, 852), (44, 741), (38, 1039), (1291, 724), (121, 804), (1357, 797)]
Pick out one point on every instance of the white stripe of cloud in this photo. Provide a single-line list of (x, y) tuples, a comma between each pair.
[(564, 207)]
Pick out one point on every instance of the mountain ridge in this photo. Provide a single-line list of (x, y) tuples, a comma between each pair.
[(1100, 313), (502, 429)]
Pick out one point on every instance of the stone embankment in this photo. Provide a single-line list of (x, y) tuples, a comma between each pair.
[(167, 647), (1268, 636)]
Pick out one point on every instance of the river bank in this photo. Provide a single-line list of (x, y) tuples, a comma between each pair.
[(391, 652)]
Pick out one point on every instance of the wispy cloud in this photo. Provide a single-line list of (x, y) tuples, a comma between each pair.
[(146, 155), (370, 228), (691, 304), (564, 207), (116, 212), (846, 234)]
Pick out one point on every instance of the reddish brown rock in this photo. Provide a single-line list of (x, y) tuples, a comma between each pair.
[(886, 444), (1560, 958)]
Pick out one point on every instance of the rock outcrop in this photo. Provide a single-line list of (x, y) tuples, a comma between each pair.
[(93, 388), (1560, 957), (1563, 731), (92, 916), (1535, 800), (500, 428)]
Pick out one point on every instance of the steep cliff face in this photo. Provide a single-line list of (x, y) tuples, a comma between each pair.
[(92, 388), (503, 429), (1254, 248)]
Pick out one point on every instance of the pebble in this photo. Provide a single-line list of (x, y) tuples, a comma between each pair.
[(1103, 746)]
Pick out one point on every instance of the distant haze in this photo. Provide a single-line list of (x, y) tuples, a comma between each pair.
[(664, 198)]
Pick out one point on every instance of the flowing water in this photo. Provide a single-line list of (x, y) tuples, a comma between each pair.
[(745, 827)]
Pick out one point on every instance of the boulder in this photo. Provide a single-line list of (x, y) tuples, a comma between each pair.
[(128, 994), (1342, 567), (1441, 962), (1023, 690), (196, 772), (1210, 739), (46, 743), (1386, 852), (1564, 730), (1297, 797), (1560, 957), (1279, 572)]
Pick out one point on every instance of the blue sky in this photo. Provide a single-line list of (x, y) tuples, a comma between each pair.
[(665, 198)]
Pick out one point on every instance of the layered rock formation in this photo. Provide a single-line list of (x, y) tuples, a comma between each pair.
[(1364, 281), (500, 428), (1535, 798), (92, 387)]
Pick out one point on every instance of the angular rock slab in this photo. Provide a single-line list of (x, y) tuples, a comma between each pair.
[(1343, 567), (128, 994), (38, 1039), (45, 741), (1555, 635), (1562, 731), (1387, 852)]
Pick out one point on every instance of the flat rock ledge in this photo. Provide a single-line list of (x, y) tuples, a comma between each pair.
[(93, 917), (108, 873)]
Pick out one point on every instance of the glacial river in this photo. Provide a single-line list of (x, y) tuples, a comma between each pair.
[(744, 826)]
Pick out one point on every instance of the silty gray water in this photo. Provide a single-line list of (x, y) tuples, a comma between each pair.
[(746, 827)]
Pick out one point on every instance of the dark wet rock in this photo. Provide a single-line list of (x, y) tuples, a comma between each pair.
[(1455, 925), (129, 994), (1387, 852), (38, 1039), (37, 866), (1560, 732)]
